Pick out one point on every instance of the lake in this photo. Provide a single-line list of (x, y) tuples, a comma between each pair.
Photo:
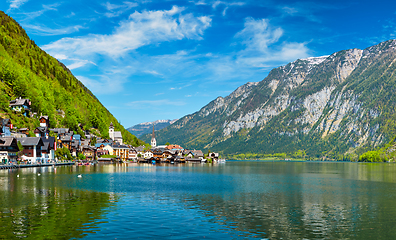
[(235, 200)]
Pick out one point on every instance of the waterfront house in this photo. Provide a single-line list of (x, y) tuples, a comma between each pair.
[(214, 156), (109, 148), (74, 147), (180, 159), (101, 152), (21, 105), (89, 152), (121, 151), (168, 155), (49, 148), (157, 152), (32, 148), (195, 154), (148, 154), (66, 140), (132, 154), (8, 150), (140, 150)]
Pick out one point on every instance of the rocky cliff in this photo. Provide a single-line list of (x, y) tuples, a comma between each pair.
[(325, 105)]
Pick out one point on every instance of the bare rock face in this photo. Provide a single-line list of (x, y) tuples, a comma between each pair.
[(342, 101)]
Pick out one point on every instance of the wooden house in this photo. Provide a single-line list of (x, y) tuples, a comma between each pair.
[(8, 150), (32, 148)]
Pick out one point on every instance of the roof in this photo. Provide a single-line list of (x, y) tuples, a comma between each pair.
[(20, 102), (31, 141), (157, 151), (114, 146), (197, 153), (45, 146), (45, 117), (174, 147), (50, 140), (42, 129), (140, 148), (7, 141), (66, 138), (60, 130), (103, 140), (77, 136), (99, 144)]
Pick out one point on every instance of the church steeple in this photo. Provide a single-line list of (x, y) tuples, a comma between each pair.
[(153, 141), (111, 131)]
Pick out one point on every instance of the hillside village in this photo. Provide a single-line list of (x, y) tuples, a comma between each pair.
[(51, 145)]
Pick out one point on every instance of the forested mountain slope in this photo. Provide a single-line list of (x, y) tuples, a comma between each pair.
[(325, 106), (27, 71)]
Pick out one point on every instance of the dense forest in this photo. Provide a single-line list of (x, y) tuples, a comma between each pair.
[(27, 71)]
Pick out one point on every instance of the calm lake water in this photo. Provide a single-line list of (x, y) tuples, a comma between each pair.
[(236, 200)]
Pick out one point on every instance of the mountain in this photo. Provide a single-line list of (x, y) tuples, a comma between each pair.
[(322, 106), (27, 71), (147, 127)]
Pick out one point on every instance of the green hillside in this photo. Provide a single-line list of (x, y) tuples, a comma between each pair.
[(27, 71)]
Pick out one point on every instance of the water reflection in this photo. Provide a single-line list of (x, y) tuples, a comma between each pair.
[(290, 200), (33, 206)]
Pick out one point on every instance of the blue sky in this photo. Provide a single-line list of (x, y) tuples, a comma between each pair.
[(150, 60)]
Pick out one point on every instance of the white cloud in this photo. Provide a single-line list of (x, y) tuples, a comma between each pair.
[(79, 63), (16, 3), (145, 28), (200, 2), (227, 4), (257, 34), (152, 72), (45, 31), (263, 45), (116, 10)]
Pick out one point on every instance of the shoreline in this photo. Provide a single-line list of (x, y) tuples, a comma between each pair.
[(16, 166)]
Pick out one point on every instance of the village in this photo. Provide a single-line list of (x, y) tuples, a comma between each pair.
[(56, 145)]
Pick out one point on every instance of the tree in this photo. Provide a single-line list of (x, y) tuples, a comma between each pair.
[(93, 141), (63, 153), (167, 143), (20, 148), (81, 156)]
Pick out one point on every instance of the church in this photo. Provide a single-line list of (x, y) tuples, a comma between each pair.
[(153, 141), (116, 136)]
